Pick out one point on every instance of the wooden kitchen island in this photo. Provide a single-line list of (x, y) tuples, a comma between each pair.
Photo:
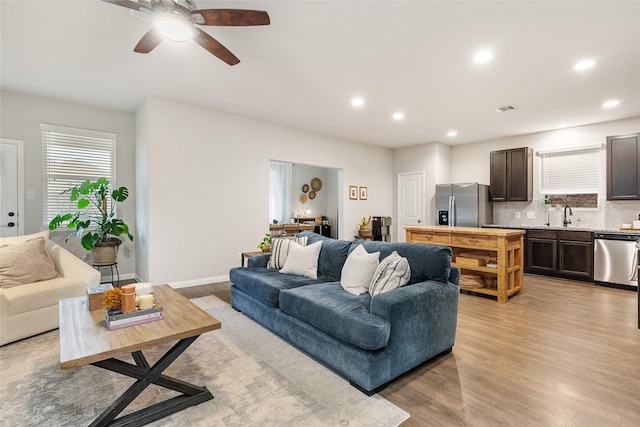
[(493, 255)]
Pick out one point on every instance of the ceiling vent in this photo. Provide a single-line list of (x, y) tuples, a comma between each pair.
[(505, 108)]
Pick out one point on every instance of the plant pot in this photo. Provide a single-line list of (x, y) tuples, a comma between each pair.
[(106, 251), (365, 231)]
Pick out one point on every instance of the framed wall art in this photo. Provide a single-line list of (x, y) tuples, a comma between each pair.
[(363, 193), (353, 192)]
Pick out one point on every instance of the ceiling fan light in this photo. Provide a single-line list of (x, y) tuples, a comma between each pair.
[(174, 27)]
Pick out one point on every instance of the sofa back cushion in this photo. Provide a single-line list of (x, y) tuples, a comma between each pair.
[(332, 255), (427, 262)]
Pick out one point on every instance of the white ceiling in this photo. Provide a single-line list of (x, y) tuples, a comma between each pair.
[(303, 69)]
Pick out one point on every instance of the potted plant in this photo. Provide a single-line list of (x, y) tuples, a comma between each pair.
[(95, 223), (266, 243), (365, 227)]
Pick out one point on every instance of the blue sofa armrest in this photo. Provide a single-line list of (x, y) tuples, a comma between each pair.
[(454, 275), (258, 261), (423, 319)]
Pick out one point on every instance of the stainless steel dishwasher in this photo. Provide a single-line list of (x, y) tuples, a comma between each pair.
[(615, 259)]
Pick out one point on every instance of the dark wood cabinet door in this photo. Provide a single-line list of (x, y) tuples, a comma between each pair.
[(575, 259), (520, 183), (498, 176), (623, 167), (511, 175), (542, 255)]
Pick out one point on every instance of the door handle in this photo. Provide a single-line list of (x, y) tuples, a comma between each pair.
[(11, 224), (419, 221), (11, 214)]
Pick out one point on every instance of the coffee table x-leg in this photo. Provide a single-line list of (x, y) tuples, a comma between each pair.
[(146, 375)]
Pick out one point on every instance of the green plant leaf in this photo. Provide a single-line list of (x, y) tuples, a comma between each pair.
[(83, 203), (89, 240), (120, 194)]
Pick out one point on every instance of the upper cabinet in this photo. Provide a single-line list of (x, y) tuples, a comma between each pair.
[(623, 167), (511, 175)]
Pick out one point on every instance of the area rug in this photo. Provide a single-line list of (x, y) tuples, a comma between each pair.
[(256, 379)]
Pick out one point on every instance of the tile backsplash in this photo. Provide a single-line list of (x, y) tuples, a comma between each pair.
[(608, 215)]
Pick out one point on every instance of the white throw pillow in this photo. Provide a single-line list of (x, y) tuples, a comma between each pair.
[(358, 270), (393, 272), (280, 250), (302, 260)]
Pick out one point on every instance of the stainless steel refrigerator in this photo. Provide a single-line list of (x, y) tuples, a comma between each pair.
[(463, 205)]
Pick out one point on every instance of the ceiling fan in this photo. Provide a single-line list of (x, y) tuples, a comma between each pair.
[(178, 19)]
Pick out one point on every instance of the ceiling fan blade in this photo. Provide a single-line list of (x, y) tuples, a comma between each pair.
[(125, 3), (149, 41), (214, 46), (233, 17)]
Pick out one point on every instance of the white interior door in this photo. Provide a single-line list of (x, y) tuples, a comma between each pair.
[(11, 199), (410, 202)]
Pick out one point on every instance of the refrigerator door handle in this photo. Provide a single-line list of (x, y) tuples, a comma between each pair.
[(452, 211)]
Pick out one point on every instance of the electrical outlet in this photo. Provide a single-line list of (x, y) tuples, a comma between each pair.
[(531, 215), (517, 215)]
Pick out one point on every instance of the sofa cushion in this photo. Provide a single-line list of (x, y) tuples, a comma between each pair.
[(25, 262), (427, 262), (332, 255), (265, 284), (329, 308), (392, 272), (358, 270), (34, 296), (302, 260)]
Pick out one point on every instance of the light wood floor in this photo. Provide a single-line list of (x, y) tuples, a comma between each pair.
[(563, 353)]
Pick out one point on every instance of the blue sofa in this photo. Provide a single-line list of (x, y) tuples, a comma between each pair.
[(369, 341)]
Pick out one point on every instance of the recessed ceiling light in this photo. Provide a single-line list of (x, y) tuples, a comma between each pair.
[(611, 103), (584, 65), (357, 102), (452, 133), (483, 56), (398, 116)]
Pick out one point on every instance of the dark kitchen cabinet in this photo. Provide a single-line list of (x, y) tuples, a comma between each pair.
[(623, 167), (566, 254), (541, 252), (511, 173)]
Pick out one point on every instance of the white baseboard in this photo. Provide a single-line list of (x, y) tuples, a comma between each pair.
[(198, 282)]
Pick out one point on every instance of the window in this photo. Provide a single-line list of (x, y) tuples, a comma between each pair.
[(576, 171), (280, 195), (69, 157)]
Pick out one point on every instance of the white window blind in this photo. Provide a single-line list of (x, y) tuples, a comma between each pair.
[(69, 157), (570, 172)]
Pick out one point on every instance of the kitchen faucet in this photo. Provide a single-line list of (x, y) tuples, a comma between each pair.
[(566, 221)]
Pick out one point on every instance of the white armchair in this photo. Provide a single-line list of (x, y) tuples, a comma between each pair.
[(32, 308)]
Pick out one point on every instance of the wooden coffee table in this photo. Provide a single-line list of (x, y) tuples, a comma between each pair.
[(85, 339)]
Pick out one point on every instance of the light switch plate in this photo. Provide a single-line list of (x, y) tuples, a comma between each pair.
[(517, 215), (531, 215)]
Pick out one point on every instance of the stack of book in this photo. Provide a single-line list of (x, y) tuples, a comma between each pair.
[(116, 319)]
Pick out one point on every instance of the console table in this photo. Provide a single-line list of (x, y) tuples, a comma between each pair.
[(506, 245)]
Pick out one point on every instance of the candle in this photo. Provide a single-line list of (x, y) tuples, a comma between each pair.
[(128, 297), (146, 301)]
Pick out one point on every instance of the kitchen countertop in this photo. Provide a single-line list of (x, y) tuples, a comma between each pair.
[(546, 227)]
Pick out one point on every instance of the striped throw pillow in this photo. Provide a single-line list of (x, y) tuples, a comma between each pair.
[(392, 272), (280, 250)]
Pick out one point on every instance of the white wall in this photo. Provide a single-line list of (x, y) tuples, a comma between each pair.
[(434, 160), (207, 184), (20, 118)]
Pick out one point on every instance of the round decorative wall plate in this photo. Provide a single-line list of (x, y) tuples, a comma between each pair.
[(303, 198), (316, 184), (312, 194), (305, 188)]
